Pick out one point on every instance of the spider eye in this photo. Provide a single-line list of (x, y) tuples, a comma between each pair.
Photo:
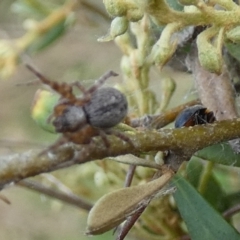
[(72, 119)]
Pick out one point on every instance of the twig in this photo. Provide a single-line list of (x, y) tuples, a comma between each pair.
[(231, 211), (161, 120), (67, 198), (129, 176)]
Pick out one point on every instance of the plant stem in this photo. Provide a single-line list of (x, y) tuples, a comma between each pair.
[(205, 176)]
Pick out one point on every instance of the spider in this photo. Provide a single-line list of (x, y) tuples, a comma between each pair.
[(79, 119)]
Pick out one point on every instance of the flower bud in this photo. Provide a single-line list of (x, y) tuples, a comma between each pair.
[(118, 27), (127, 8), (210, 57), (191, 9), (115, 7), (166, 46)]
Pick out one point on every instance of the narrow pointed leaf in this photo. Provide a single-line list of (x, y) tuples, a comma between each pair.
[(213, 192), (203, 221), (220, 153)]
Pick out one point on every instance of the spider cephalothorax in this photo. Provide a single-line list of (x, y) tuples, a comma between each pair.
[(94, 113)]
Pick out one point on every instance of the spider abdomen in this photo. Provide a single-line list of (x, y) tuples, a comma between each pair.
[(107, 108)]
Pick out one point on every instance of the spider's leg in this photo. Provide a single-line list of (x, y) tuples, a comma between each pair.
[(129, 175), (210, 117), (101, 81), (64, 89), (120, 135), (86, 95), (53, 147), (130, 221), (200, 120), (103, 135), (80, 87)]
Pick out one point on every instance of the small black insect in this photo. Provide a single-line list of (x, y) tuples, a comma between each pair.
[(92, 114), (195, 115)]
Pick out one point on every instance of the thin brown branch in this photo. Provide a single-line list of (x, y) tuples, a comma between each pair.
[(163, 119), (67, 198), (123, 231), (231, 211), (169, 116), (183, 142), (129, 176), (131, 220)]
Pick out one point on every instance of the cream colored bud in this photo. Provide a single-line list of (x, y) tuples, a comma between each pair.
[(166, 46), (161, 53), (134, 14), (127, 8), (118, 27), (191, 9), (210, 57)]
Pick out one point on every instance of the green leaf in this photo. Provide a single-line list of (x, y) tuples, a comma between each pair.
[(232, 199), (233, 49), (31, 9), (220, 153), (175, 5), (48, 38), (213, 191), (42, 107), (203, 221)]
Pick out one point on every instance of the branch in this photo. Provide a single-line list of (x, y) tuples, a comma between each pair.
[(65, 197), (161, 120), (183, 142)]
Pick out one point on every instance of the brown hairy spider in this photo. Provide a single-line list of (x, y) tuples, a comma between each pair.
[(79, 119)]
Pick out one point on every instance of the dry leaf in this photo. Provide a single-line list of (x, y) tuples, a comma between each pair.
[(115, 207)]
